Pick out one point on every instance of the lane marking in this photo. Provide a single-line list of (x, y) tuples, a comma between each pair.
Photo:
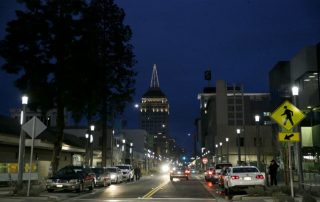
[(154, 190)]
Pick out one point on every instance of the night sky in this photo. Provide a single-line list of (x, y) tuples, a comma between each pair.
[(240, 40)]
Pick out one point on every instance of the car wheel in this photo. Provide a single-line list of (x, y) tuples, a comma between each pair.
[(50, 190), (171, 178), (91, 186)]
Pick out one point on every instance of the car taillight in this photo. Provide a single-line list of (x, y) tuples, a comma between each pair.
[(210, 172), (259, 177), (187, 171), (235, 177)]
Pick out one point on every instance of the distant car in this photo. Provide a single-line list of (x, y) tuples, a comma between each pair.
[(127, 171), (209, 174), (115, 174), (241, 177), (222, 175), (75, 178), (179, 172), (103, 177)]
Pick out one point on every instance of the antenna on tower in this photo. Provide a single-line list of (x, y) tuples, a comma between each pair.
[(154, 78)]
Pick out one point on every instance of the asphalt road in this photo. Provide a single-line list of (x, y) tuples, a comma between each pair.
[(148, 188)]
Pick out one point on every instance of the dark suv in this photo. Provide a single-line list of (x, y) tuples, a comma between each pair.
[(75, 178)]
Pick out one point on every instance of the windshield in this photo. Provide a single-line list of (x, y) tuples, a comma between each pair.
[(124, 167), (220, 166), (97, 170), (113, 170), (245, 170)]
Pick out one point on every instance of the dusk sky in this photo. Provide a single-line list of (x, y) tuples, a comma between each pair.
[(240, 40)]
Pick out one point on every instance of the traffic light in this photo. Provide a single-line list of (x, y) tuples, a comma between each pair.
[(207, 75)]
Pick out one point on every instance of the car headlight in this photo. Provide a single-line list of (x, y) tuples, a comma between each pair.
[(113, 176), (73, 181)]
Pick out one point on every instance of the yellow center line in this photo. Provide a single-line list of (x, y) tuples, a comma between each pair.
[(153, 191)]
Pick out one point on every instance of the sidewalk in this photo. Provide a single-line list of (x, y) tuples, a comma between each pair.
[(6, 195)]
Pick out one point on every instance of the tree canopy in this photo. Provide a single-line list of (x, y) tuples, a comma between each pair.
[(72, 55)]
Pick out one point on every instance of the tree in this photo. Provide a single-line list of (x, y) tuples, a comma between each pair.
[(72, 56), (112, 60), (38, 46)]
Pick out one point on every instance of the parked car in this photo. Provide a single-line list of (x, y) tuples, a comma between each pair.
[(75, 178), (127, 171), (241, 177), (103, 177), (115, 174), (179, 172)]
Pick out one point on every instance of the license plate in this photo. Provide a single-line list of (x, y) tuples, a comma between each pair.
[(59, 185), (247, 178), (179, 172)]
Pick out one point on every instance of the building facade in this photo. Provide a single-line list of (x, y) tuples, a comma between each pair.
[(227, 130), (154, 116)]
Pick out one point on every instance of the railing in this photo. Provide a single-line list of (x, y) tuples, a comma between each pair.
[(9, 172)]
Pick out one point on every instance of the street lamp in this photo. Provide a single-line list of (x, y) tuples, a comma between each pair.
[(22, 142), (131, 152), (91, 144), (227, 140), (123, 149), (220, 151), (217, 152), (295, 93), (86, 157), (258, 141), (239, 151)]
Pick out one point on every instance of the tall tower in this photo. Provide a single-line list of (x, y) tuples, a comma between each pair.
[(154, 115)]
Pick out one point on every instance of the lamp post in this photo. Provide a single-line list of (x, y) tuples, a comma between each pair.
[(239, 151), (22, 142), (217, 152), (220, 151), (123, 150), (86, 157), (131, 153), (91, 144), (258, 141), (227, 141), (295, 93)]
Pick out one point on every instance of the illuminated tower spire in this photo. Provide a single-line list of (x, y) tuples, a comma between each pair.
[(154, 78)]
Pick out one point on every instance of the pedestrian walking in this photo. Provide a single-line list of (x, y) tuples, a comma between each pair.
[(273, 168), (136, 173)]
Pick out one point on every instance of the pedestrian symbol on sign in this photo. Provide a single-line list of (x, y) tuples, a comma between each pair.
[(288, 114)]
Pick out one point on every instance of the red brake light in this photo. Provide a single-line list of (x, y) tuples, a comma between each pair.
[(235, 177), (210, 172), (187, 171), (259, 177)]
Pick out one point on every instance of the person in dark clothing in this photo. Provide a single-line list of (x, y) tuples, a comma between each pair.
[(137, 173), (273, 167)]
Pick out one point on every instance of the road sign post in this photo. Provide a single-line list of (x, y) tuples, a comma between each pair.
[(288, 116), (33, 128)]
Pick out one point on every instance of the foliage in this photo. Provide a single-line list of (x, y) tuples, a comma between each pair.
[(70, 55)]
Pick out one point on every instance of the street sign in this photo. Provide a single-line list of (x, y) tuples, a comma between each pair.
[(287, 115), (39, 127), (204, 160), (289, 137)]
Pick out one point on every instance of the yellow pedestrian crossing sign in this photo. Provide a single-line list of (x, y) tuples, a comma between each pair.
[(289, 137), (287, 115)]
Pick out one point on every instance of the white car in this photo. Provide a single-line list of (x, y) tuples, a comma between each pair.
[(243, 177), (115, 174), (127, 171)]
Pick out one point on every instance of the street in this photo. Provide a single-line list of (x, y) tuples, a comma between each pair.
[(157, 187)]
